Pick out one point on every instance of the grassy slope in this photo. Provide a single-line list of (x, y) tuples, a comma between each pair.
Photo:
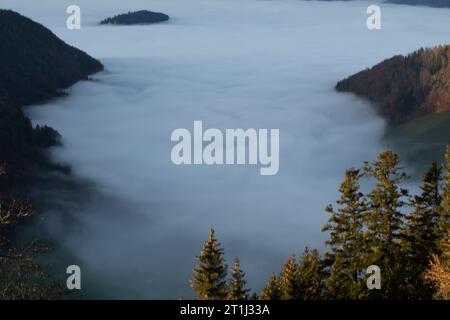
[(421, 140)]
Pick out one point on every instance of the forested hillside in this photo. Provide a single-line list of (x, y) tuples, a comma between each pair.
[(405, 87), (35, 65), (431, 3)]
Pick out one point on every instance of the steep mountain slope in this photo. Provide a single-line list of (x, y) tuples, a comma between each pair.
[(34, 65), (405, 87)]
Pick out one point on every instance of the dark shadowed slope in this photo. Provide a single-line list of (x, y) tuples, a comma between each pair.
[(34, 65)]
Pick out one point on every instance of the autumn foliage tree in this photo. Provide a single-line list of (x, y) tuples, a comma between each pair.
[(439, 272), (21, 277)]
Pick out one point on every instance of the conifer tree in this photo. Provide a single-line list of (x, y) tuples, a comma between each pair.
[(365, 230), (345, 225), (272, 290), (289, 280), (209, 279), (421, 233), (254, 296), (237, 287), (385, 222), (310, 276)]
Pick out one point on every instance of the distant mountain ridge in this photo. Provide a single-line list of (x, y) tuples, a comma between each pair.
[(430, 3), (35, 65), (405, 87)]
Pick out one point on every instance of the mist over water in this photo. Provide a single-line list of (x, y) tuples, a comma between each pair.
[(231, 64)]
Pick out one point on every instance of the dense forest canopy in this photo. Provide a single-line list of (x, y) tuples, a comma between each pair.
[(405, 87)]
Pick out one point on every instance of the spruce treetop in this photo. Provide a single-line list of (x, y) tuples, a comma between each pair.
[(237, 286), (209, 279)]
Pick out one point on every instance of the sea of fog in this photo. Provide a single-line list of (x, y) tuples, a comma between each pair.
[(231, 64)]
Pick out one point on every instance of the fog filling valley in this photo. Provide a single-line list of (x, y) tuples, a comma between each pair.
[(231, 64)]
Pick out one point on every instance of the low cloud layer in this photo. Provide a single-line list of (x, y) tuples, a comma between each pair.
[(231, 64)]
